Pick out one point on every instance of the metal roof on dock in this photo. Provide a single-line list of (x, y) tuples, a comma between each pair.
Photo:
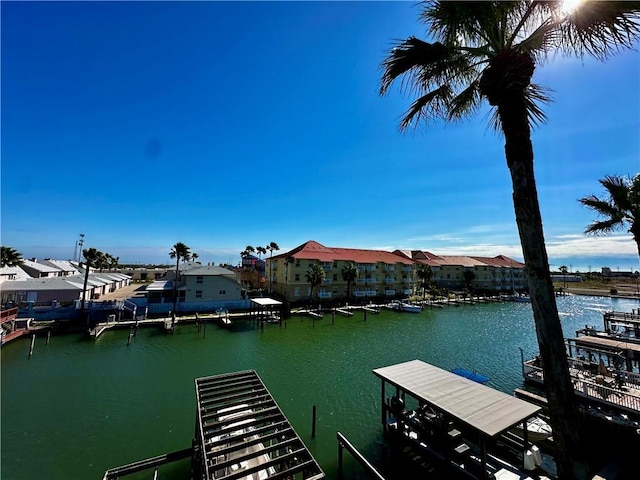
[(242, 432), (489, 411)]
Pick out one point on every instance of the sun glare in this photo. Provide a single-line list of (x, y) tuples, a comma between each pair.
[(568, 6)]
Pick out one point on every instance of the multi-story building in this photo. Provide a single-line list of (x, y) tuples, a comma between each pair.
[(381, 274), (498, 273)]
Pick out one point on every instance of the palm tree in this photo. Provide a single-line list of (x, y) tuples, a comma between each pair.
[(179, 251), (488, 51), (194, 256), (287, 261), (315, 276), (271, 247), (469, 276), (92, 257), (424, 273), (621, 208), (10, 257), (349, 274)]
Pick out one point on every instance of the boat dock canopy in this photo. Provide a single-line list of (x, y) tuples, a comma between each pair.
[(485, 409), (266, 302), (242, 433)]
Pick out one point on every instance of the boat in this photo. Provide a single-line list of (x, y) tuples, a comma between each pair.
[(406, 307), (521, 298), (537, 430), (235, 442), (475, 376)]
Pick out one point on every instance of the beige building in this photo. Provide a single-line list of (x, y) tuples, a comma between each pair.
[(381, 274)]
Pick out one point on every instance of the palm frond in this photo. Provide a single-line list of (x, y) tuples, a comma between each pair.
[(432, 105), (414, 54), (618, 189), (534, 96), (465, 103), (604, 227), (601, 207), (463, 23), (601, 28)]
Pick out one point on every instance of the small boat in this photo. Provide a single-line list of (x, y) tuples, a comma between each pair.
[(537, 430), (521, 298), (476, 377), (406, 307)]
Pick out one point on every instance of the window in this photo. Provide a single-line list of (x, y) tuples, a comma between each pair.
[(198, 279), (297, 263), (335, 277), (297, 277), (222, 292), (198, 293)]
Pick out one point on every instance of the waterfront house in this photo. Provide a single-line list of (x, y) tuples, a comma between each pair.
[(65, 266), (198, 288)]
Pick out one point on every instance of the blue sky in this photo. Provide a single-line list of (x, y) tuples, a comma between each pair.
[(221, 125)]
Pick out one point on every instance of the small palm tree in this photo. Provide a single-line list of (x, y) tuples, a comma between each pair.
[(194, 256), (489, 51), (10, 257), (315, 276), (92, 257), (271, 247), (179, 251), (424, 274), (620, 209), (349, 274)]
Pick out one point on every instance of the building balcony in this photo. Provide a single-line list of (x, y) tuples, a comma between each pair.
[(389, 280), (406, 291), (389, 292), (390, 268), (325, 294)]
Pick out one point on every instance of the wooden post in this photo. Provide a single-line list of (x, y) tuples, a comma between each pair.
[(333, 316), (204, 329), (339, 460), (365, 313), (313, 423), (129, 339), (48, 336), (33, 341)]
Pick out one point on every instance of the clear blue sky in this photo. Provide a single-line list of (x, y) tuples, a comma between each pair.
[(221, 125)]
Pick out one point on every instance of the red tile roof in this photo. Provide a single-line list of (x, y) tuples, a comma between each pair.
[(313, 250)]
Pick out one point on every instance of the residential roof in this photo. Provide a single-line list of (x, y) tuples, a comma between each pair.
[(41, 284), (40, 267), (207, 270), (64, 265), (313, 250), (17, 271), (485, 409)]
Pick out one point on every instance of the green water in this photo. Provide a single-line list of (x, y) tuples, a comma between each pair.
[(77, 407)]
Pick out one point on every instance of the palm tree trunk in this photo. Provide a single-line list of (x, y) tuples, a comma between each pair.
[(571, 461)]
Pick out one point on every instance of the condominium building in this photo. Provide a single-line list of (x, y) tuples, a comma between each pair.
[(380, 273)]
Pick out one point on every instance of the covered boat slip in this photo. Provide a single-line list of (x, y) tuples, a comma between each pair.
[(483, 413), (243, 434)]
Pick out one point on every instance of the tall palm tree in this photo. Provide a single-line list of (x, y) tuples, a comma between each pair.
[(349, 274), (315, 276), (194, 256), (620, 209), (271, 247), (10, 257), (92, 257), (287, 261), (179, 251), (424, 274), (489, 51)]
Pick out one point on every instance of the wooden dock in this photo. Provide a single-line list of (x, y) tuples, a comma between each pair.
[(342, 311)]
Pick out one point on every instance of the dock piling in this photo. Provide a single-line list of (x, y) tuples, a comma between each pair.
[(33, 341), (313, 422), (48, 336), (333, 317)]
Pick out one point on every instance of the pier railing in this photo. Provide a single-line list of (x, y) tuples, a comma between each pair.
[(596, 387), (344, 443)]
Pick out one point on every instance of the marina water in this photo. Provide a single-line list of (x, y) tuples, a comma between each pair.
[(78, 407)]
